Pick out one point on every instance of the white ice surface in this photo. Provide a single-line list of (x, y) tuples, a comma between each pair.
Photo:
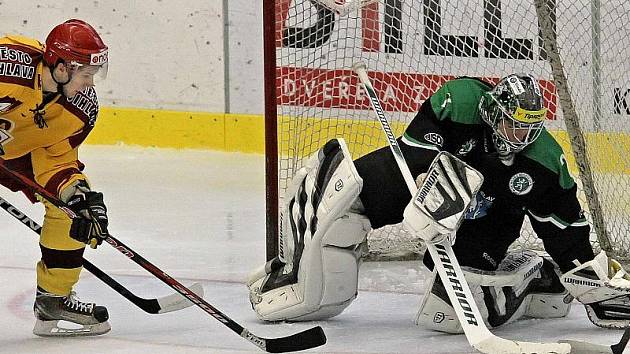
[(199, 216)]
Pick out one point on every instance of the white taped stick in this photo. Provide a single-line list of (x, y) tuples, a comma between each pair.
[(361, 69)]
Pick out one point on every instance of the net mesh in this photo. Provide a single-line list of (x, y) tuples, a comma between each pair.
[(412, 47)]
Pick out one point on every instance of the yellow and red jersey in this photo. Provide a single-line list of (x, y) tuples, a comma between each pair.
[(39, 140)]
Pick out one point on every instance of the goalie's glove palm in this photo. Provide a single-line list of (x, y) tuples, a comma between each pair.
[(90, 225)]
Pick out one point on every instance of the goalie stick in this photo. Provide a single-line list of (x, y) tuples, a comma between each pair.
[(619, 347), (169, 303), (600, 349), (450, 272), (310, 338)]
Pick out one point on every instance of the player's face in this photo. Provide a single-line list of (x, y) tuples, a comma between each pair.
[(82, 77), (511, 133)]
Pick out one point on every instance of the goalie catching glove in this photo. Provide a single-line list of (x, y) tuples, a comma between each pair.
[(603, 286), (90, 225), (438, 206)]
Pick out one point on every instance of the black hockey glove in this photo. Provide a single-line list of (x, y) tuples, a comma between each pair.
[(90, 225)]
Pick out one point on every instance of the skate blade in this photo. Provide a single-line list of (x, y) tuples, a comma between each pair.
[(60, 328)]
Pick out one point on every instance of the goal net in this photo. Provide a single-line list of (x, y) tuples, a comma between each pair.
[(411, 47)]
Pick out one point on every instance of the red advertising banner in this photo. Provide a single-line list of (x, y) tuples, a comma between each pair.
[(341, 88)]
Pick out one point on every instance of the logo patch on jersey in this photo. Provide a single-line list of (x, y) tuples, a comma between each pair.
[(15, 63), (467, 147), (5, 137), (479, 206), (434, 138), (84, 105), (7, 103), (521, 183)]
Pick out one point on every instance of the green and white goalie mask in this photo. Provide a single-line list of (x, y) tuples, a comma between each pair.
[(514, 110)]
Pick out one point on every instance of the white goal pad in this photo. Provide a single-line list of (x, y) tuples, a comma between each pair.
[(519, 287)]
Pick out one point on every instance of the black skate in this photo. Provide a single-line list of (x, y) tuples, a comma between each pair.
[(85, 319)]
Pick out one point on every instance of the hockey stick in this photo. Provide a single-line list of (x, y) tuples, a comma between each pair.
[(583, 347), (450, 272), (619, 347), (169, 303), (309, 338)]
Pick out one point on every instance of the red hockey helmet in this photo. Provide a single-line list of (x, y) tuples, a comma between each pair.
[(76, 43)]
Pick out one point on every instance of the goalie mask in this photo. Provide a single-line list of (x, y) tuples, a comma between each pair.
[(514, 110)]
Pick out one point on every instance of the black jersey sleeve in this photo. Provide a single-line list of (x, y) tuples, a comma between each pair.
[(385, 194), (422, 140), (559, 222)]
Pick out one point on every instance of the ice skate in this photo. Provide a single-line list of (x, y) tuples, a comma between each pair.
[(61, 316)]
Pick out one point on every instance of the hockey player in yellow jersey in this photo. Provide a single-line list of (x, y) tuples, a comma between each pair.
[(48, 106)]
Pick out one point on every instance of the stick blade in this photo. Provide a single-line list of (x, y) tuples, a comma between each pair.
[(579, 347), (311, 338), (619, 347), (175, 302), (498, 345)]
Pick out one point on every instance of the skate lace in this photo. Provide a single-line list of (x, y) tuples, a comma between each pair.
[(73, 302)]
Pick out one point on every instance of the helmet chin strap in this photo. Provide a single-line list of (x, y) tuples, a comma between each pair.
[(60, 84)]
